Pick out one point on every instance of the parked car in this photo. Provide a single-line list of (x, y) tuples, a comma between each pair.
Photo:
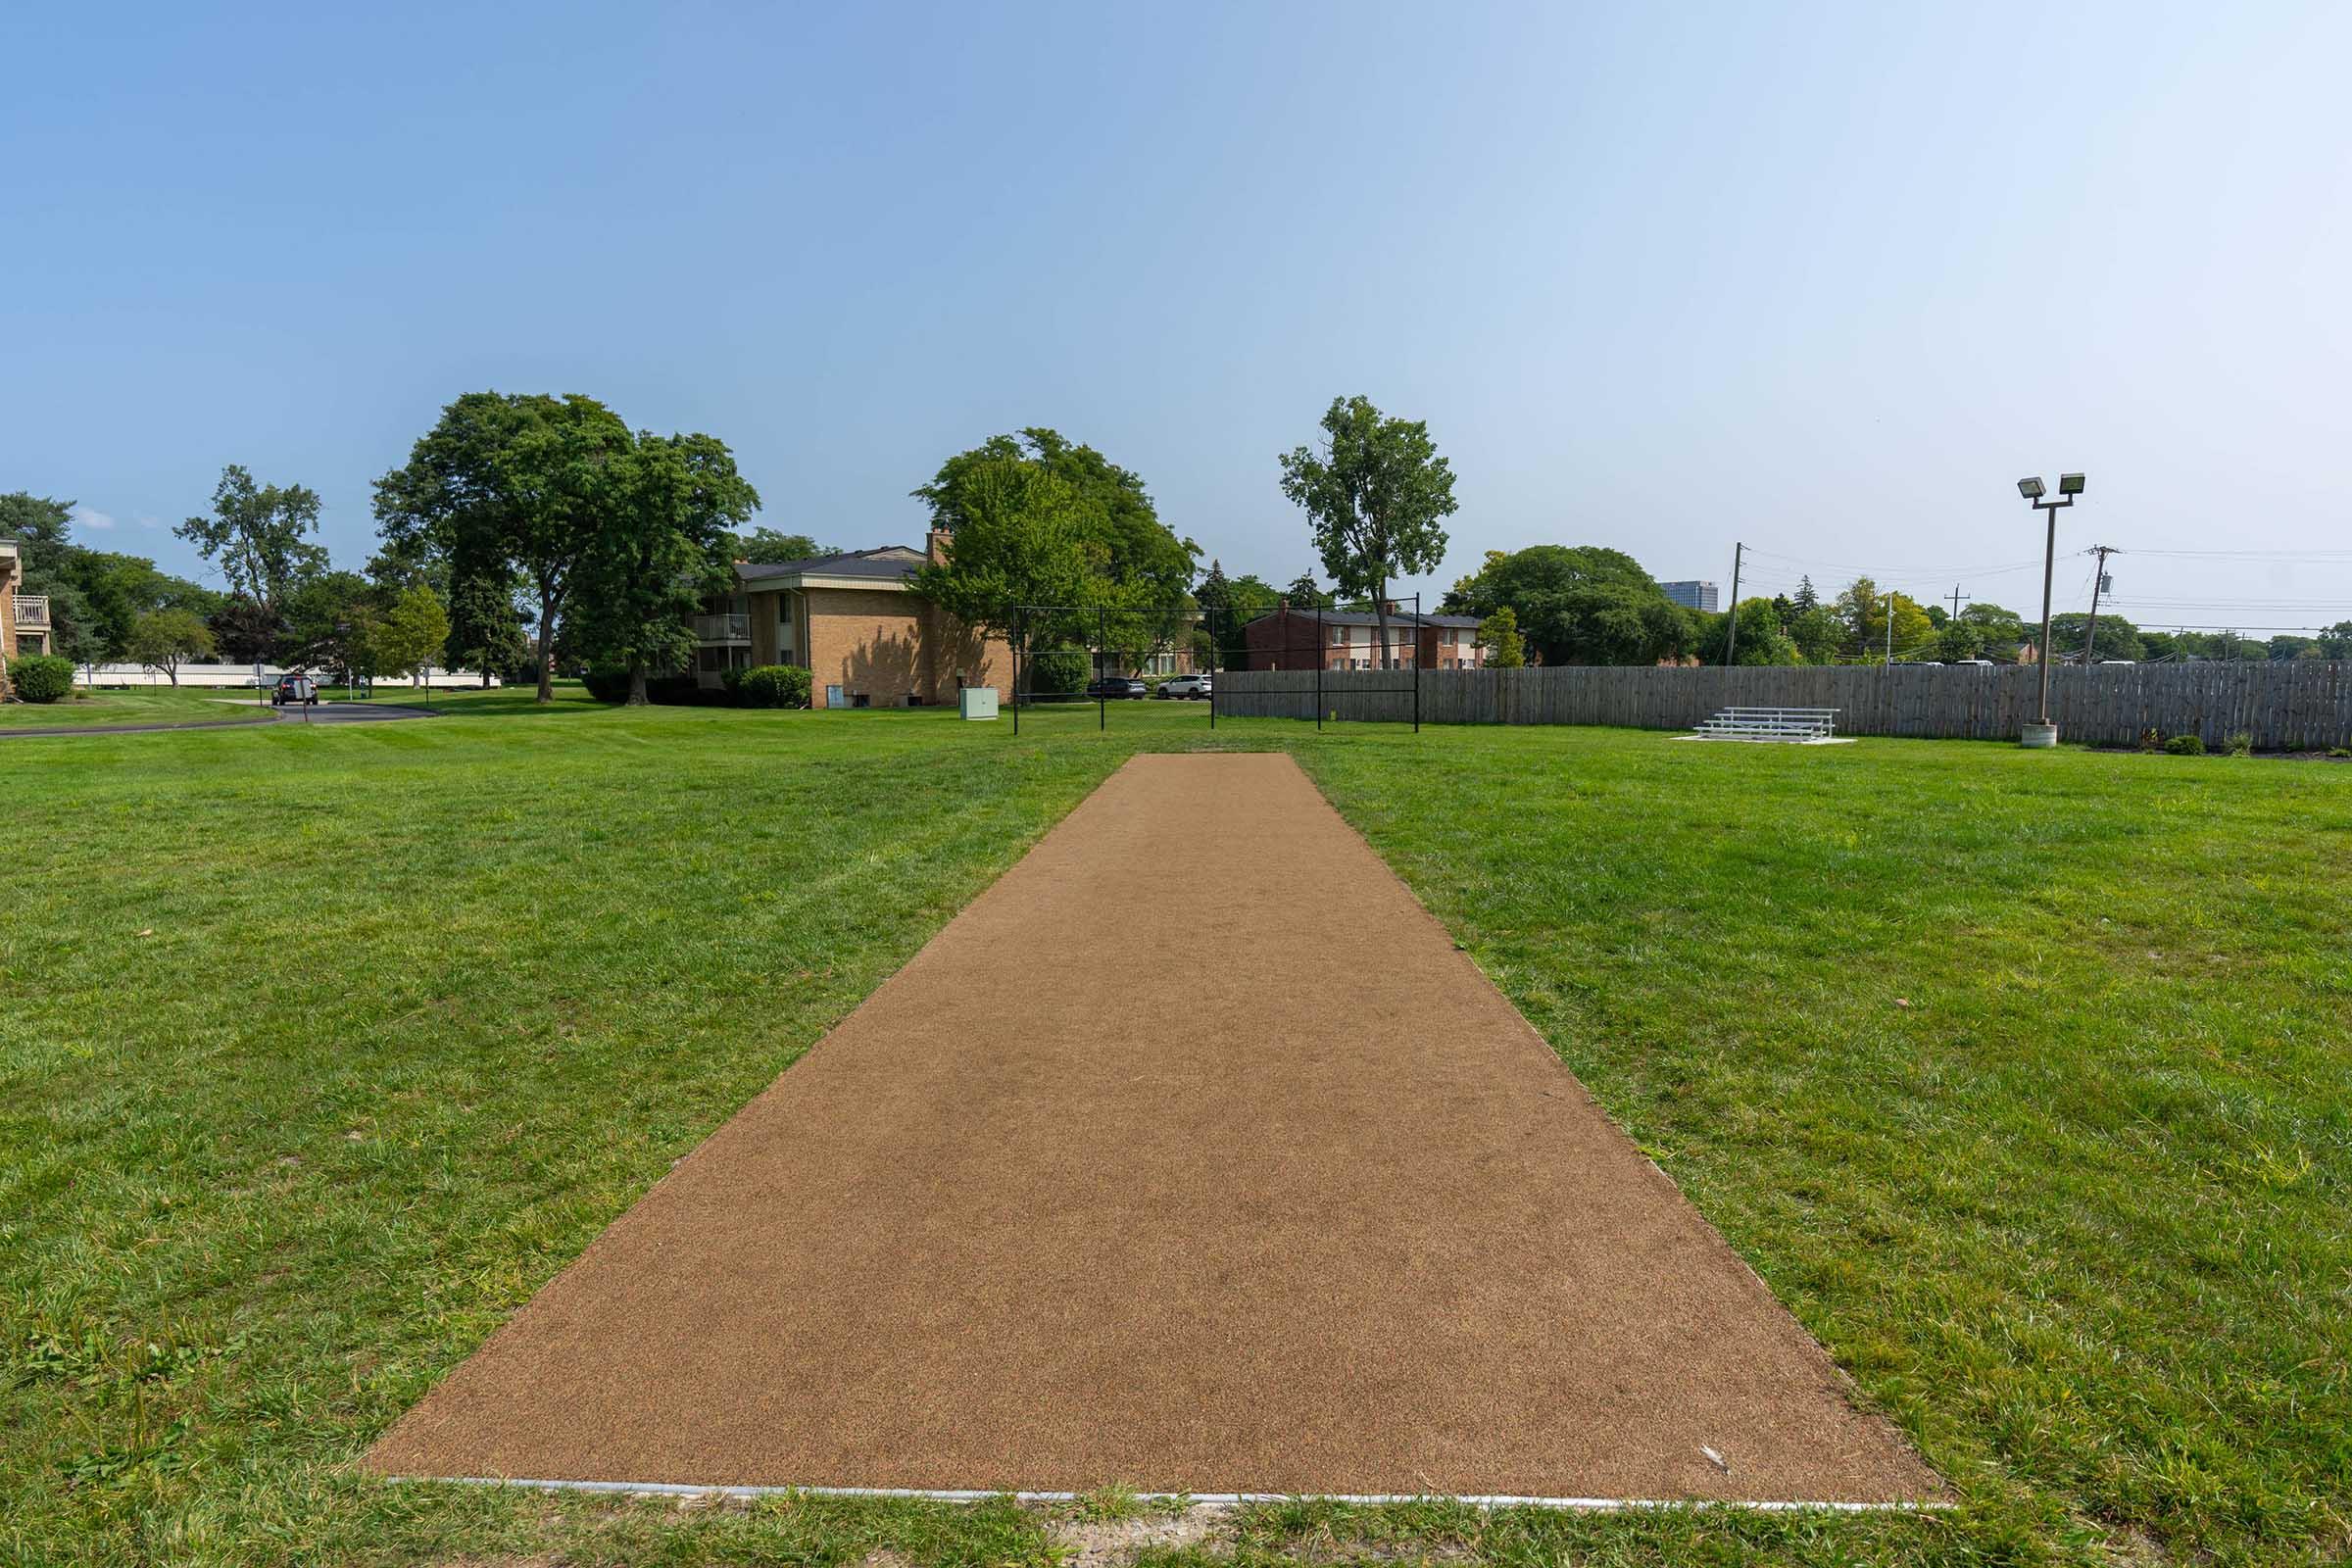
[(294, 689), (1188, 686), (1972, 664), (1116, 687)]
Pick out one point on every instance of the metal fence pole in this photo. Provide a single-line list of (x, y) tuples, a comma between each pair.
[(1322, 644), (1102, 692), (1417, 629), (1018, 632)]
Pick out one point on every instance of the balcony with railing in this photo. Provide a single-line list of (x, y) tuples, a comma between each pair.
[(710, 629), (32, 612)]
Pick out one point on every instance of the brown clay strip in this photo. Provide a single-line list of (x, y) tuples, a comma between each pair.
[(1191, 1157)]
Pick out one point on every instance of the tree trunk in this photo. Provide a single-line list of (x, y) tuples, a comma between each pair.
[(1379, 616), (173, 671), (547, 649), (637, 697)]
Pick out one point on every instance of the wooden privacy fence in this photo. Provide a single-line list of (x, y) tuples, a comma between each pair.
[(2293, 706)]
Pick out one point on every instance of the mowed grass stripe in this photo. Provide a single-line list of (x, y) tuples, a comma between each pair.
[(2075, 1215)]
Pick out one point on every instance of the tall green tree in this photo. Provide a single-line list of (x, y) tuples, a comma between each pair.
[(1577, 605), (255, 536), (1501, 647), (1374, 490), (675, 498), (1957, 641), (317, 615), (486, 621), (2335, 642), (1864, 608), (2116, 638), (523, 480), (1305, 593), (166, 638), (1762, 640), (1818, 633), (410, 634), (1037, 519)]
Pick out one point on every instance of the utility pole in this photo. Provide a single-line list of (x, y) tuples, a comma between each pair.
[(1890, 628), (2091, 631), (1730, 639), (1957, 596)]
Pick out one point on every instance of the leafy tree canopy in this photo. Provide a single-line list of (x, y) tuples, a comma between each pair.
[(1761, 641), (673, 502), (1863, 606), (1498, 638), (2118, 638), (1304, 592), (1577, 605), (1035, 519), (165, 639), (767, 547), (1374, 490), (255, 536), (408, 636), (519, 481)]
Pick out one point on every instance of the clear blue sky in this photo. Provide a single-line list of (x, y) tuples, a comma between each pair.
[(1828, 279)]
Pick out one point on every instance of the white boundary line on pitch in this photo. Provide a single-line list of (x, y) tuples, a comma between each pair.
[(685, 1489)]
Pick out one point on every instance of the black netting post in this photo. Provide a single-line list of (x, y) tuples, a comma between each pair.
[(1322, 651), (1102, 692), (1016, 668), (1416, 663)]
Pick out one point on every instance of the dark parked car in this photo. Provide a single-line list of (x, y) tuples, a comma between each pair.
[(1116, 687), (295, 689)]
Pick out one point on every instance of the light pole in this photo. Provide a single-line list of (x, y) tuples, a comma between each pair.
[(2041, 732)]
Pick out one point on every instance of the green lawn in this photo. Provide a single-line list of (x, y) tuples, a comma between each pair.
[(2024, 1079), (141, 705)]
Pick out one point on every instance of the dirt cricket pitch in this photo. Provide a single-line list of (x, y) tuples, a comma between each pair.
[(1192, 1156)]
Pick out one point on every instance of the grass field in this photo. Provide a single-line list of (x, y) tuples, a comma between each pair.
[(160, 704), (2024, 1079)]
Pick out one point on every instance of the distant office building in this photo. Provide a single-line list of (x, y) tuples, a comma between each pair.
[(1692, 595)]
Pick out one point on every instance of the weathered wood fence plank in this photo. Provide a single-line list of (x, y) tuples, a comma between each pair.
[(2300, 704)]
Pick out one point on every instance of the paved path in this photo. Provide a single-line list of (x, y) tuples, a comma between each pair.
[(1192, 1156), (323, 714)]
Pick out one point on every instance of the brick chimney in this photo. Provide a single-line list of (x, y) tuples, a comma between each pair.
[(937, 546)]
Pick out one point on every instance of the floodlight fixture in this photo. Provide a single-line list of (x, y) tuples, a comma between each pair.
[(2041, 732)]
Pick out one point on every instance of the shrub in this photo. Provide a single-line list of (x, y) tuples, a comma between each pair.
[(2184, 745), (2339, 751), (2241, 744), (1055, 672), (41, 677), (771, 686), (2150, 740), (608, 683)]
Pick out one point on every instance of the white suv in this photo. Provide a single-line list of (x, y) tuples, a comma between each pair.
[(1184, 686)]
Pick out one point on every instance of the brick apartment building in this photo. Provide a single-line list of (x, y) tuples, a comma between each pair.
[(24, 617), (854, 621), (1348, 639)]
